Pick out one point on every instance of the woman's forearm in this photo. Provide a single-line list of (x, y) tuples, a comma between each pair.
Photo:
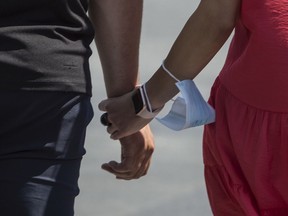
[(201, 38)]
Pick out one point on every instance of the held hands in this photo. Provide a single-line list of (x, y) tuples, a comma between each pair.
[(121, 116), (136, 138)]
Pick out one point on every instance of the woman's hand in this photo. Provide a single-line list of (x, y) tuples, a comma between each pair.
[(121, 116)]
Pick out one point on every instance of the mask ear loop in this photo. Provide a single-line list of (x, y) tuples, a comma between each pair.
[(168, 72), (146, 98), (144, 92)]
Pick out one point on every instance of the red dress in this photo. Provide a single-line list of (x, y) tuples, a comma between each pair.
[(246, 149)]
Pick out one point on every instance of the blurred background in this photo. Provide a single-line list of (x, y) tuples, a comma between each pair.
[(174, 184)]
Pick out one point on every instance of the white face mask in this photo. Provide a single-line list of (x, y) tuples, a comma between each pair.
[(190, 110)]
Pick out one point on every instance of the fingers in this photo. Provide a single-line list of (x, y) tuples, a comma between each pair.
[(136, 154), (121, 114), (137, 144), (111, 129), (114, 132), (102, 106), (125, 171), (120, 130), (106, 120), (119, 170)]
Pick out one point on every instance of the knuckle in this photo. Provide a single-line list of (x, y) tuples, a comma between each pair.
[(151, 151)]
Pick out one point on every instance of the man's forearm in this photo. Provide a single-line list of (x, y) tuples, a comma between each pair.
[(117, 36)]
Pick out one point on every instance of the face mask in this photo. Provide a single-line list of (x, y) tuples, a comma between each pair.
[(188, 110)]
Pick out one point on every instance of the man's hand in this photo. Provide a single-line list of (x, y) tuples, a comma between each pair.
[(136, 153)]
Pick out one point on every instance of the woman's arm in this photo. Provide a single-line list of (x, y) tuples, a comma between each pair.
[(201, 38)]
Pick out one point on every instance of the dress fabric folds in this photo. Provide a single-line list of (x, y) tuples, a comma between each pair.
[(246, 158)]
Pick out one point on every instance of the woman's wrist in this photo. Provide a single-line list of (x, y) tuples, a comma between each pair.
[(142, 104), (160, 88)]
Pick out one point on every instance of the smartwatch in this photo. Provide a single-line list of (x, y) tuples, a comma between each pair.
[(140, 105)]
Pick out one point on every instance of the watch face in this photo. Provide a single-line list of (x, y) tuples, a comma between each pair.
[(137, 101)]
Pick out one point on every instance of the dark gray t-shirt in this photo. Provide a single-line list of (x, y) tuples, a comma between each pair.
[(44, 45)]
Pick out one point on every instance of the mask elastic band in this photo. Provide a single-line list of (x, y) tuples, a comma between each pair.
[(143, 96), (149, 107), (167, 71)]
